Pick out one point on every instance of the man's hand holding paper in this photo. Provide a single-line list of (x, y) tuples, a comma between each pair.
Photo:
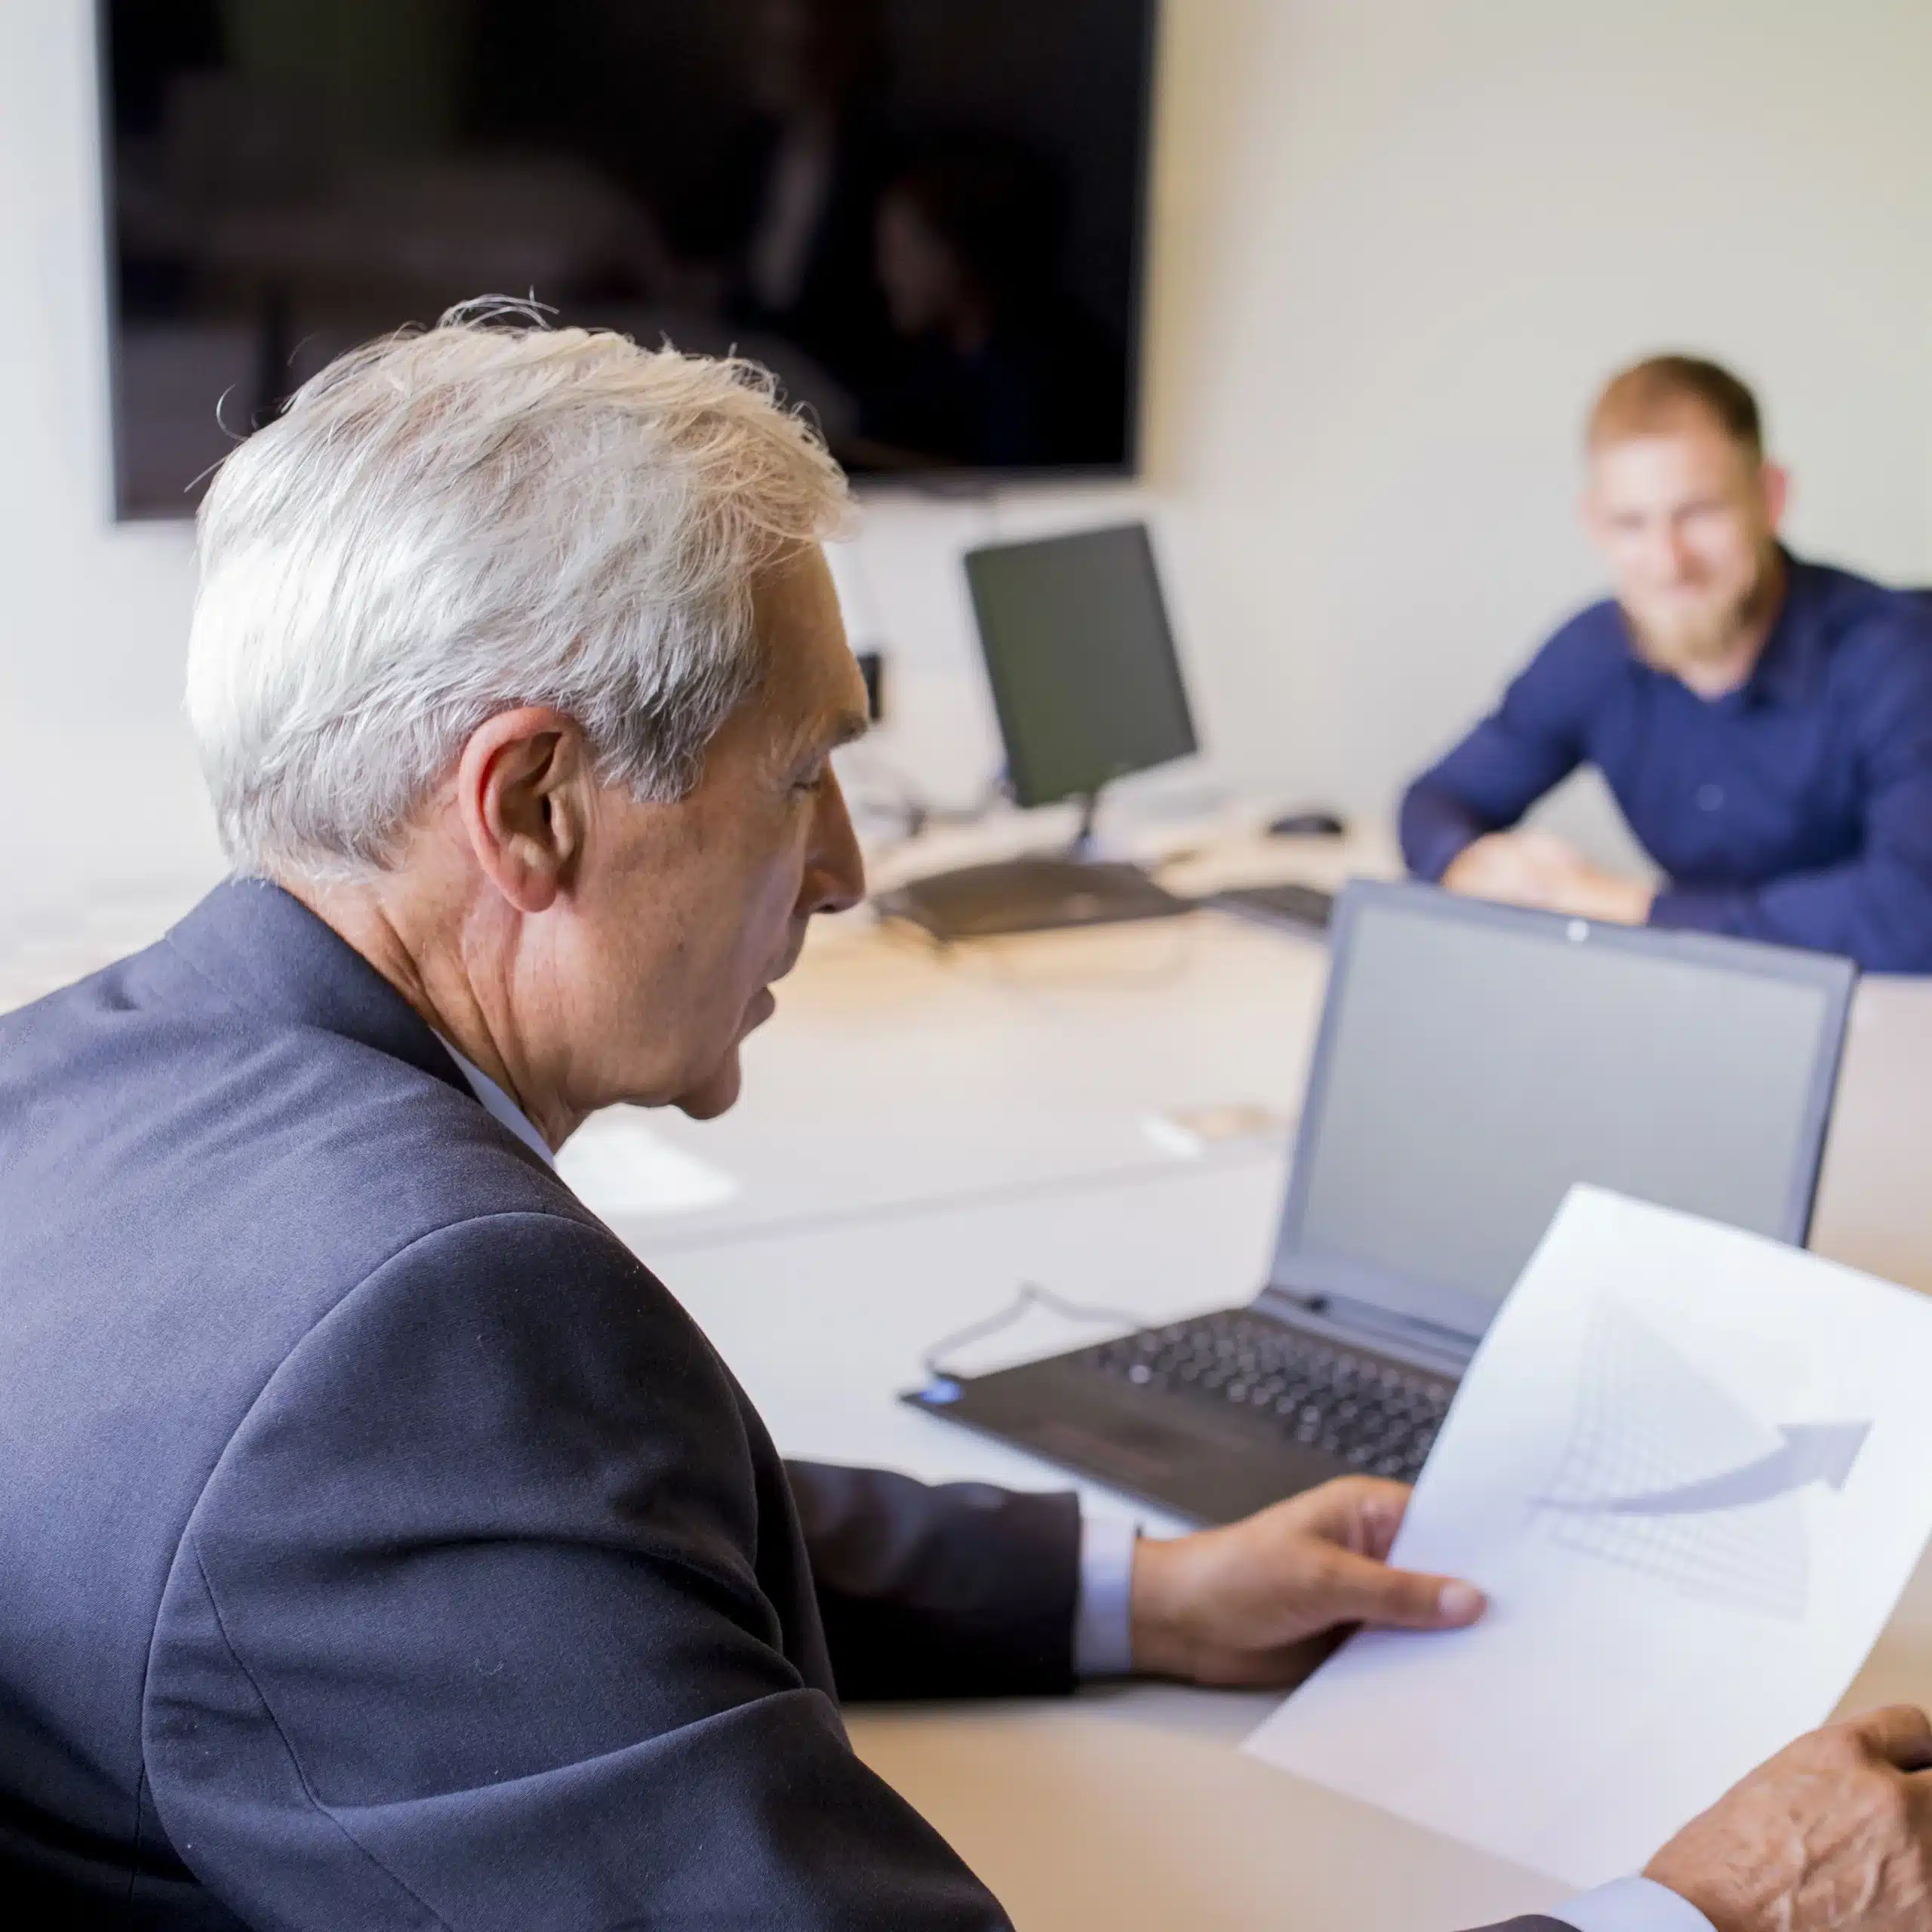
[(1238, 1605)]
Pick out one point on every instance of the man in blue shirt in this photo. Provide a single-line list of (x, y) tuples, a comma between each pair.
[(1765, 723)]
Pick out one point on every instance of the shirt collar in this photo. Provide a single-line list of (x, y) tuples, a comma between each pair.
[(500, 1105)]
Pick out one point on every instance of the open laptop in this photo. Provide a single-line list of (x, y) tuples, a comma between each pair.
[(1473, 1062)]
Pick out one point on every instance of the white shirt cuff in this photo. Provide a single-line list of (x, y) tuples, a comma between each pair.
[(1103, 1614), (1632, 1904)]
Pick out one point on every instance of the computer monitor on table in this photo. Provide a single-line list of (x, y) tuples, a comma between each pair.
[(1082, 660), (1088, 689)]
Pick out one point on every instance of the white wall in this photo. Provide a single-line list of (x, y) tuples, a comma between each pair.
[(96, 783), (1398, 243)]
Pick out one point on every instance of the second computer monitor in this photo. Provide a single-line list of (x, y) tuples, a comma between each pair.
[(1081, 661)]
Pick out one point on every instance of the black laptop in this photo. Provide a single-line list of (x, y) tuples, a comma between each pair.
[(1473, 1063)]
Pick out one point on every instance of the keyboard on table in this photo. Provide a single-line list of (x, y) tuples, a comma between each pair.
[(1301, 909), (1369, 1414)]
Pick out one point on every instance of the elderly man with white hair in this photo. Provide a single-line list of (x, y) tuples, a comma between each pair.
[(383, 1545)]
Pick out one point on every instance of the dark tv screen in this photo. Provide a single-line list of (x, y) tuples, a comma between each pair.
[(924, 216)]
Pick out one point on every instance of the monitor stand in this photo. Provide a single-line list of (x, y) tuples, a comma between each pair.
[(1042, 893)]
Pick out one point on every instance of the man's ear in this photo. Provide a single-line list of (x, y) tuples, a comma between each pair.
[(1775, 481), (523, 785)]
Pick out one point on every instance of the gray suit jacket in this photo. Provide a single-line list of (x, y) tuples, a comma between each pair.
[(384, 1546)]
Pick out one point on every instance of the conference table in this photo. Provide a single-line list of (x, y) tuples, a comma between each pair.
[(925, 1129), (1105, 1115)]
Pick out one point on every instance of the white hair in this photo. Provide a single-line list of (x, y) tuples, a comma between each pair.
[(451, 523)]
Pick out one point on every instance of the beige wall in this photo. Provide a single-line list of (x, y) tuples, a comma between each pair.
[(1398, 242)]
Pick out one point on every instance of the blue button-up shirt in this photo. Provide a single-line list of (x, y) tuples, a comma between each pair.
[(1797, 808)]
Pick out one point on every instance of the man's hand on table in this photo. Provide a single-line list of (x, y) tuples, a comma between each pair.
[(1236, 1606), (1538, 869), (1836, 1830)]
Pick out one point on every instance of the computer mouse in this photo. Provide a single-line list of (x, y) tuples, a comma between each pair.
[(1307, 824)]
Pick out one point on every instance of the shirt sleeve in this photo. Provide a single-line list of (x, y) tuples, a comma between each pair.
[(1533, 741), (1877, 908), (1103, 1620), (1631, 1905)]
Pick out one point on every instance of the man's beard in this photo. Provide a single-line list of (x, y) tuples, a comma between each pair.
[(1708, 635)]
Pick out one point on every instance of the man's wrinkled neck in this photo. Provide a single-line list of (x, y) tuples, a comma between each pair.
[(434, 951)]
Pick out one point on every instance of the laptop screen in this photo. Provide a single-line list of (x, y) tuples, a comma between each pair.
[(1475, 1062)]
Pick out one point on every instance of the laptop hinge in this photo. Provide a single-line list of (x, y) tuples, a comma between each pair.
[(1361, 1322)]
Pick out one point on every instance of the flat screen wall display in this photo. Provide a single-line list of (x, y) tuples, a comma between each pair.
[(926, 217)]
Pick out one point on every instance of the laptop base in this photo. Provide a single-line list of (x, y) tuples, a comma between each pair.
[(1193, 1453)]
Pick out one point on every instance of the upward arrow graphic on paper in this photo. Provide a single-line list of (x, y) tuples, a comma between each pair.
[(1808, 1452)]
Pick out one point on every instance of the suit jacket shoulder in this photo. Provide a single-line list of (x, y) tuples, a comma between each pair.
[(435, 1571)]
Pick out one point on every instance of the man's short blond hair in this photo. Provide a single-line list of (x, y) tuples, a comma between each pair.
[(1654, 396)]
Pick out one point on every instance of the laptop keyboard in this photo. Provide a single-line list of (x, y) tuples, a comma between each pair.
[(1369, 1415)]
